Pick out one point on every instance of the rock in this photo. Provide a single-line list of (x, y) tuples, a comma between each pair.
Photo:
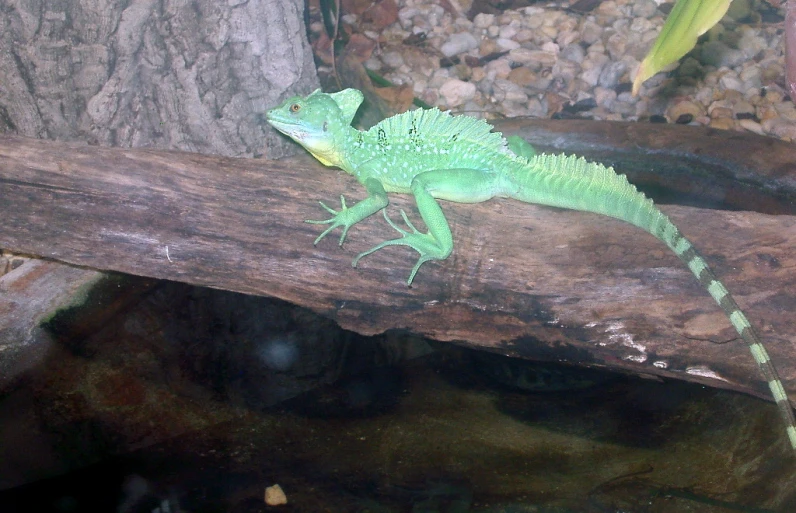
[(392, 59), (551, 47), (521, 76), (604, 97), (739, 9), (488, 46), (523, 36), (786, 110), (611, 73), (731, 81), (483, 20), (644, 8), (535, 59), (507, 32), (590, 32), (750, 43), (499, 68), (536, 109), (772, 72), (691, 68), (592, 67), (743, 107), (541, 83), (616, 46), (683, 108), (507, 91), (766, 113), (752, 125), (459, 43), (720, 112), (274, 496), (716, 53), (478, 75), (722, 123), (507, 44), (781, 128), (456, 92), (566, 70), (573, 52), (567, 37)]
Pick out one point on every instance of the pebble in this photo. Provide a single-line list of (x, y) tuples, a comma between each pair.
[(685, 108), (610, 74), (718, 54), (752, 126), (506, 90), (521, 76), (643, 9), (275, 496), (782, 129), (483, 20), (458, 43), (456, 92), (556, 58), (507, 44)]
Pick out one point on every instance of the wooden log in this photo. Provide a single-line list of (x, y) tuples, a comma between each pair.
[(523, 280)]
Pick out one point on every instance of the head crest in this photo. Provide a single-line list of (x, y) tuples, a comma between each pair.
[(349, 101)]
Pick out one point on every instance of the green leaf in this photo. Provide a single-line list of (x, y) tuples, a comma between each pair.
[(688, 20)]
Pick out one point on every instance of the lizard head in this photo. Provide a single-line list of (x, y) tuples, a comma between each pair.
[(318, 122)]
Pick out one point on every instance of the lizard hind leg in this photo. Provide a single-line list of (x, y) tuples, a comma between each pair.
[(459, 185), (423, 243)]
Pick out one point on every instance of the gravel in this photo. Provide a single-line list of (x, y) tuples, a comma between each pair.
[(549, 58)]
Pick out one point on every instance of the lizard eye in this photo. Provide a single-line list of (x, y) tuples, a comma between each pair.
[(295, 107)]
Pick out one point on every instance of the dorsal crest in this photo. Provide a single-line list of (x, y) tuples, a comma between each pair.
[(430, 123)]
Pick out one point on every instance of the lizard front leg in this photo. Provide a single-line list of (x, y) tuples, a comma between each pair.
[(459, 185), (348, 217)]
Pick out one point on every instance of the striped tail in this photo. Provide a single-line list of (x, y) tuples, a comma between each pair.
[(572, 182), (685, 250)]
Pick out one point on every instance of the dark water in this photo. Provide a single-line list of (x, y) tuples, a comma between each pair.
[(455, 432), (180, 405)]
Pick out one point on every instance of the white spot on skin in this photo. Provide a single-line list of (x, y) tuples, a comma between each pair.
[(661, 364)]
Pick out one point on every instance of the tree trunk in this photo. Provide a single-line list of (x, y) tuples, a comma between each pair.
[(192, 76)]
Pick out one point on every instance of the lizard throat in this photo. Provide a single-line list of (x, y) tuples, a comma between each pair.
[(326, 154)]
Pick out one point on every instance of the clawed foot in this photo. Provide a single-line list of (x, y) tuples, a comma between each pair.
[(338, 219), (423, 243)]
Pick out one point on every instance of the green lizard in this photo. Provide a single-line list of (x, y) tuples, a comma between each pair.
[(434, 156)]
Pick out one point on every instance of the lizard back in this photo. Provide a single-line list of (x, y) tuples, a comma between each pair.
[(400, 147)]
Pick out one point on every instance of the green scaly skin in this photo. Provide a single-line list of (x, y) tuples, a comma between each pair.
[(434, 156)]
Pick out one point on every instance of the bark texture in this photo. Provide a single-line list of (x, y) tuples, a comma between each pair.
[(191, 75)]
